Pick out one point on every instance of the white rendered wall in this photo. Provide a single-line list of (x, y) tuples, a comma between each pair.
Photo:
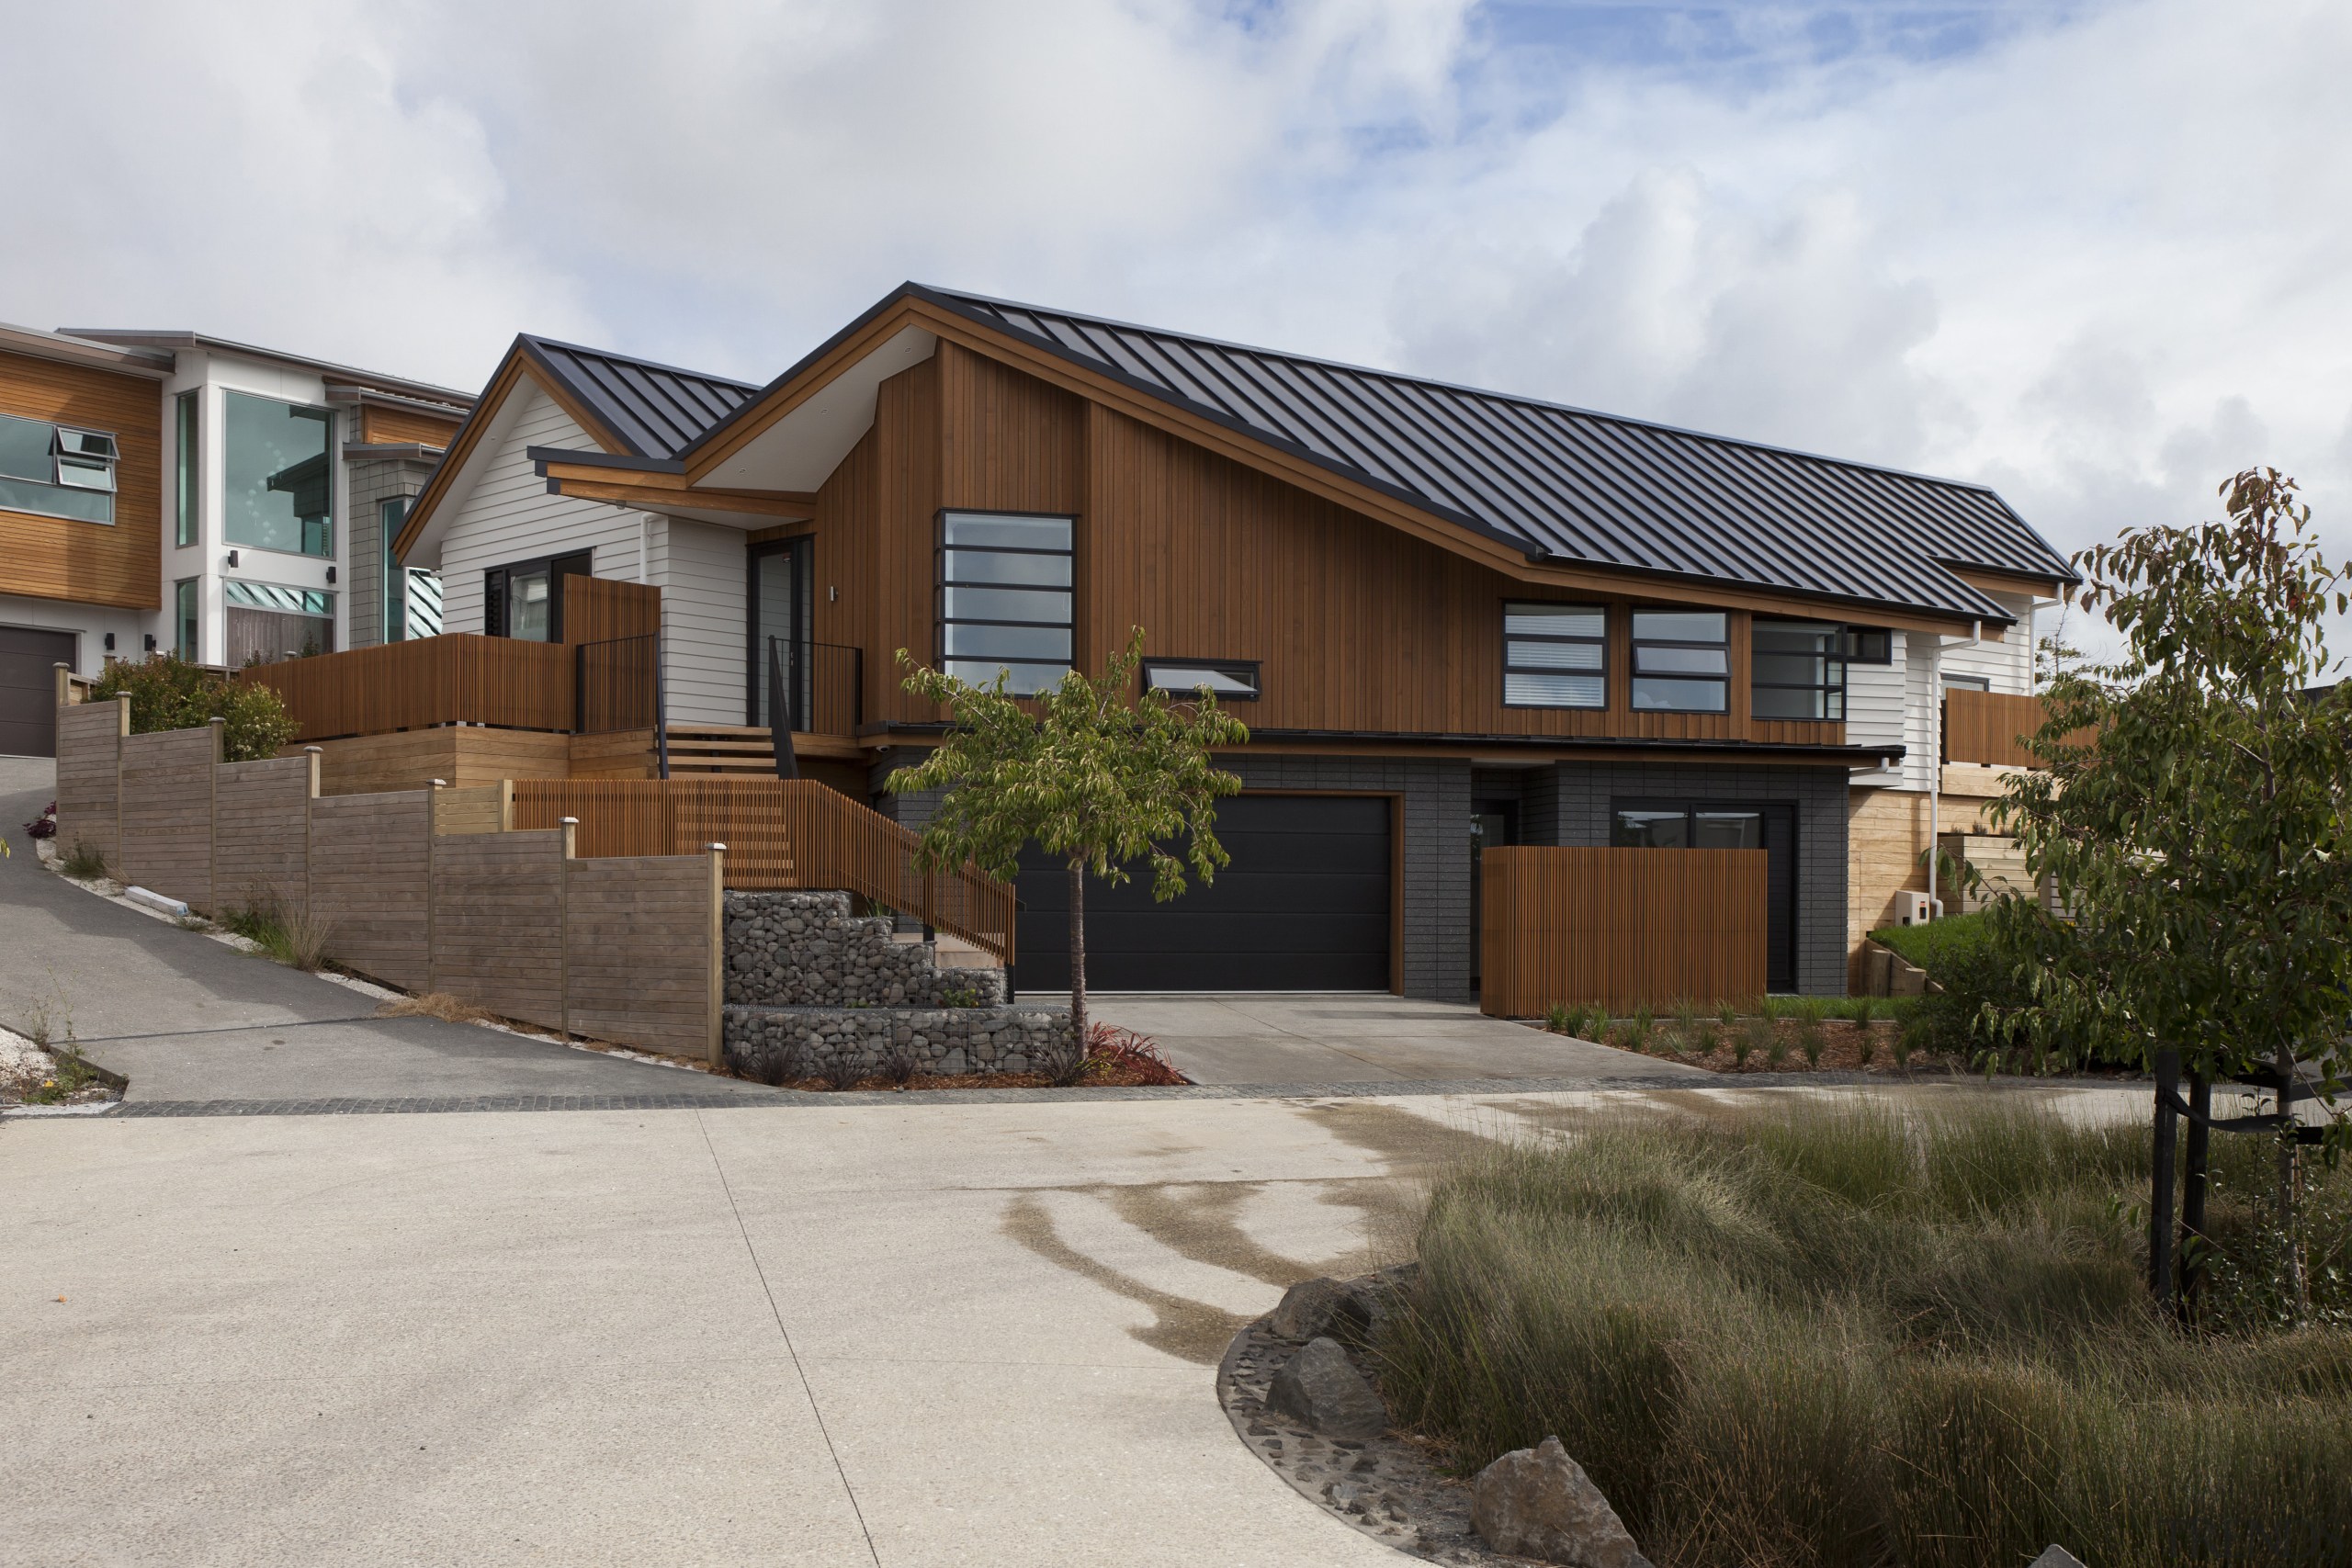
[(91, 621)]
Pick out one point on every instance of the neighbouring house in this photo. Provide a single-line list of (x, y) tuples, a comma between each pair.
[(1452, 618), (164, 490)]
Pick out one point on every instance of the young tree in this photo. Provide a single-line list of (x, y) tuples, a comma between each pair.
[(2199, 843), (1092, 772)]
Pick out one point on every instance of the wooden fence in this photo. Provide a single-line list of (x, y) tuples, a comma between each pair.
[(780, 834), (1620, 926), (457, 678), (424, 889), (1990, 729)]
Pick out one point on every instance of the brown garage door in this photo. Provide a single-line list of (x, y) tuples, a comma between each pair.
[(28, 661)]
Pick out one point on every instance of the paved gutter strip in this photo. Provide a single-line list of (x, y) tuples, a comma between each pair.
[(798, 1099)]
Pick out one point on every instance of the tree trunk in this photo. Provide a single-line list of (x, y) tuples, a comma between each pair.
[(1078, 950), (2299, 1285), (2195, 1178)]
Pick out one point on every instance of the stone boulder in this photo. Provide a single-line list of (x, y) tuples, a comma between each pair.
[(1305, 1310), (1539, 1502), (1320, 1387)]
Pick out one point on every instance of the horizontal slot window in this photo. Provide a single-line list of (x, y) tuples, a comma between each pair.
[(1005, 599), (270, 597), (1555, 656), (1237, 680), (1681, 661)]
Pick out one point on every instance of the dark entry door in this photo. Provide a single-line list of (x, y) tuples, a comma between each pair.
[(1304, 907), (1494, 824), (1710, 825), (28, 661), (779, 611)]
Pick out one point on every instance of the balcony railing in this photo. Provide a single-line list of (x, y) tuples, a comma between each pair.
[(824, 686), (466, 678), (1990, 729)]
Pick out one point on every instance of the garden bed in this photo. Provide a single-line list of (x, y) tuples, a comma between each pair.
[(1849, 1035), (1834, 1335)]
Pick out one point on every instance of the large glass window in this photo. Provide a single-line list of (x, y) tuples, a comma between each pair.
[(184, 619), (1004, 599), (1555, 656), (525, 600), (56, 470), (1687, 828), (276, 475), (389, 518), (188, 500), (1800, 669), (1681, 661)]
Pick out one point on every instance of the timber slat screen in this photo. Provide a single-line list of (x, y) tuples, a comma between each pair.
[(1620, 926), (1989, 728), (781, 835), (464, 678)]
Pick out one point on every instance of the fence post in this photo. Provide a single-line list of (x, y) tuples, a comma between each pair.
[(432, 893), (219, 728), (715, 1048), (121, 734), (569, 827), (311, 755)]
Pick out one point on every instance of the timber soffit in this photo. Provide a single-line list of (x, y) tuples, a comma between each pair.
[(1565, 487)]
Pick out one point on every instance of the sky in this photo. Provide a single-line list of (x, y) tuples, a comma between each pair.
[(2091, 254)]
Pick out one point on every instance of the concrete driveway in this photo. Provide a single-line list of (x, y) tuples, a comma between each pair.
[(1359, 1037)]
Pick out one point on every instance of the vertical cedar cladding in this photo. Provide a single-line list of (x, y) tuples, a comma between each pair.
[(1359, 627), (119, 563)]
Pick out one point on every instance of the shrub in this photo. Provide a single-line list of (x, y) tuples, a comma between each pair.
[(1937, 944), (45, 825), (82, 862), (299, 941), (1121, 1055), (166, 692), (1833, 1334), (1556, 1018)]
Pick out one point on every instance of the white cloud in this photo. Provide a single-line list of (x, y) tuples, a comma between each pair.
[(2095, 260)]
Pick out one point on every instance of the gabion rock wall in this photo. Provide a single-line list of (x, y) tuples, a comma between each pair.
[(807, 950)]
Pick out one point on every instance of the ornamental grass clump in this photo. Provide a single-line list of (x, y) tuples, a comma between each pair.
[(1841, 1336)]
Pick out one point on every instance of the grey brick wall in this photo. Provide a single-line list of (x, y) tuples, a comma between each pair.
[(1579, 799)]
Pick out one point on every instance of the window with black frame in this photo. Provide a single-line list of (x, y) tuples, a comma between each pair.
[(1681, 661), (1005, 599), (1555, 656), (1799, 671)]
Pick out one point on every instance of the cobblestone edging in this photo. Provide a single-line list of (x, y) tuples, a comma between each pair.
[(793, 1042), (807, 950), (1382, 1486)]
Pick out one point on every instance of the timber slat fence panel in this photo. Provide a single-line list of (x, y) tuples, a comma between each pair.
[(598, 609), (368, 882), (261, 834), (498, 922), (89, 776), (781, 834), (167, 813), (643, 939), (480, 809), (1620, 926), (1990, 729), (459, 677)]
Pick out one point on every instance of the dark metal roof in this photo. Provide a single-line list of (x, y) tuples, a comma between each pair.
[(1570, 485), (657, 411)]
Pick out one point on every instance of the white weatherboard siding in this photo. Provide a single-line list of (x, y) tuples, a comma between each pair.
[(2008, 664), (701, 569), (1875, 709), (511, 517)]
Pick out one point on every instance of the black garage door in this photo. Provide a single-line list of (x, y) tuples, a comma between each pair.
[(1304, 907), (28, 661)]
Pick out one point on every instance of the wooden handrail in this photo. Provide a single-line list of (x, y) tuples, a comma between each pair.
[(781, 834)]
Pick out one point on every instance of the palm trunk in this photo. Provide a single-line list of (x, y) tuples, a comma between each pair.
[(1077, 951)]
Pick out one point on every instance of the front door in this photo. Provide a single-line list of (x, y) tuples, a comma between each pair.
[(780, 611)]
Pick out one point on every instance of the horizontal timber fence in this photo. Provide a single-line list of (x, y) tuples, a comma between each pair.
[(428, 890), (781, 835), (1620, 927), (466, 678)]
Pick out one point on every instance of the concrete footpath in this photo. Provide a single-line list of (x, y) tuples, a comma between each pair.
[(887, 1334)]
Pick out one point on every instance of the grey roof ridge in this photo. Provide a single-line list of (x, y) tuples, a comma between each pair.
[(536, 341), (1464, 389)]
